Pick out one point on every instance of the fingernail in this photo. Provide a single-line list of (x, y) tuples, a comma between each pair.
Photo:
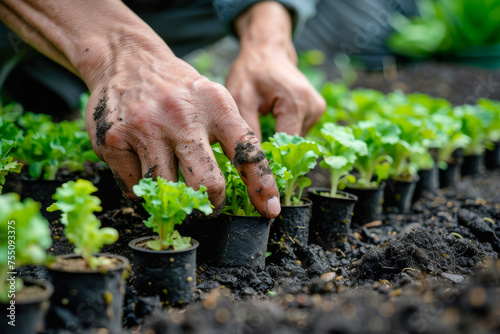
[(273, 207)]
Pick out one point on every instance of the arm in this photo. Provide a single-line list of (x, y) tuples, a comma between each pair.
[(264, 78), (149, 112)]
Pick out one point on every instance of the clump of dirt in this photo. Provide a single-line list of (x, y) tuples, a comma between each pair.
[(405, 306), (421, 253)]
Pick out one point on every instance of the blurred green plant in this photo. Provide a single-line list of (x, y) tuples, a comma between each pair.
[(444, 27), (24, 238), (7, 165)]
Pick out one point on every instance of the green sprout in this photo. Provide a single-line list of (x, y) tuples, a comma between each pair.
[(237, 199), (298, 156), (376, 135), (7, 165), (168, 204), (46, 152), (82, 228), (24, 237), (339, 151)]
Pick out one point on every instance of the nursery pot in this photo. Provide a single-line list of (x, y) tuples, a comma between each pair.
[(87, 300), (369, 205), (230, 241), (398, 195), (492, 158), (293, 222), (428, 181), (472, 164), (169, 274), (331, 217), (449, 176), (27, 311)]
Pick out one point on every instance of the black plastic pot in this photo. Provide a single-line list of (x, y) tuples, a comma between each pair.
[(293, 223), (369, 205), (450, 176), (331, 217), (492, 158), (169, 274), (398, 195), (230, 241), (87, 301), (472, 164), (27, 314), (428, 181)]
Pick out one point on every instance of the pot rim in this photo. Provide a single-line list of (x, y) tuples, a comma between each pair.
[(307, 203), (260, 218), (37, 298), (133, 242), (416, 178), (121, 266), (350, 196), (381, 186)]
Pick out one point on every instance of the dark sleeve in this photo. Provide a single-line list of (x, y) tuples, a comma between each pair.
[(229, 10)]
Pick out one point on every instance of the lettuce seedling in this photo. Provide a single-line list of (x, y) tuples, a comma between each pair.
[(237, 199), (34, 122), (449, 137), (339, 151), (24, 237), (46, 153), (476, 121), (10, 112), (298, 156), (493, 131), (168, 204), (375, 162), (412, 135), (10, 131), (7, 165), (82, 228)]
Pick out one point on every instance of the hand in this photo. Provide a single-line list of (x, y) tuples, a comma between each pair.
[(265, 78), (152, 113)]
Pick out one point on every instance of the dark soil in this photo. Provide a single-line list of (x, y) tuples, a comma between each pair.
[(432, 270)]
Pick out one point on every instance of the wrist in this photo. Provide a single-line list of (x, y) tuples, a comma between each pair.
[(113, 47), (266, 29)]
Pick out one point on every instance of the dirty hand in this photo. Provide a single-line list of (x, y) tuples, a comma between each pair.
[(147, 118), (265, 78), (149, 112)]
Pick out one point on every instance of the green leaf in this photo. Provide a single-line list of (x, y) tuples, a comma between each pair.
[(168, 203), (82, 228), (294, 153), (32, 235)]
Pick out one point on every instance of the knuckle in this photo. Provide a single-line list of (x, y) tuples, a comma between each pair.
[(114, 139), (215, 188)]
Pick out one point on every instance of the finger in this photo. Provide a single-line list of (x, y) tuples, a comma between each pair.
[(243, 148), (126, 168), (289, 115), (248, 105), (198, 167), (316, 108), (157, 159)]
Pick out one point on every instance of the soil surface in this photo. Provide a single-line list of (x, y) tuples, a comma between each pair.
[(435, 269)]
